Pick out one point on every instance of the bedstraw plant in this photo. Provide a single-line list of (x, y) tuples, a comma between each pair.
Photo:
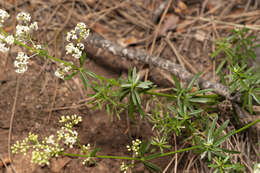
[(184, 111)]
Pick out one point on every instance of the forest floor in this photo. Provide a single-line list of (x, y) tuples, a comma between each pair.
[(180, 31)]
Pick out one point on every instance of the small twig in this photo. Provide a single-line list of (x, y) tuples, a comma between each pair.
[(158, 11), (53, 100), (253, 27), (156, 32), (175, 51), (11, 121), (3, 161)]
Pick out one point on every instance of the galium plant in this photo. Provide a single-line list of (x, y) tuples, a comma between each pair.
[(184, 111), (243, 78)]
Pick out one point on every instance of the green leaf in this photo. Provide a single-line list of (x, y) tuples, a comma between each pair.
[(126, 85), (250, 104), (230, 151), (176, 81), (131, 109), (91, 74), (133, 98), (82, 59), (202, 100), (134, 74), (151, 166), (84, 80), (202, 91), (193, 80), (214, 54), (137, 97), (256, 98), (212, 127), (144, 148), (71, 75), (94, 152), (152, 156), (220, 66), (220, 129), (222, 78), (223, 139)]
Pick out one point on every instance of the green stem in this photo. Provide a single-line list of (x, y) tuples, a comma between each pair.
[(175, 152), (102, 156), (43, 53), (160, 94), (40, 52), (246, 126), (156, 155)]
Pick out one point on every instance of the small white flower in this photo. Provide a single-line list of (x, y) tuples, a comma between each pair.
[(38, 46), (62, 70), (21, 62), (80, 46), (3, 15), (82, 30), (71, 35), (22, 32), (3, 47), (22, 16), (50, 140), (69, 48), (9, 39), (77, 53), (34, 26), (257, 168)]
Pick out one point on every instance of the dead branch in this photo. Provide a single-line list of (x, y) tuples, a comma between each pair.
[(142, 56)]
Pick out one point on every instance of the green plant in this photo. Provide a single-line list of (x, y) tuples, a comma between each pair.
[(184, 111), (239, 51)]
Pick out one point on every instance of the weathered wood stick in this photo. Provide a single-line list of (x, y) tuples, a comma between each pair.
[(142, 56)]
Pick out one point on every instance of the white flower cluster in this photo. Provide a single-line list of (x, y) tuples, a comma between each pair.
[(3, 16), (124, 167), (86, 150), (23, 17), (257, 168), (24, 29), (62, 70), (70, 136), (9, 40), (21, 62), (4, 40), (135, 147), (70, 120), (80, 32), (76, 51), (51, 146)]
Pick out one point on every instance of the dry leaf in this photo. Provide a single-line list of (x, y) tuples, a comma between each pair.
[(169, 24), (181, 8), (183, 25), (127, 41), (6, 161), (100, 29), (200, 35)]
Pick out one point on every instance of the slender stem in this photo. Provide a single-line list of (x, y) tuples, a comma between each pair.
[(246, 126), (43, 53), (175, 152), (102, 156), (40, 52), (160, 94)]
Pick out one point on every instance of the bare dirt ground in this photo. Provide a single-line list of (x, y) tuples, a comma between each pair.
[(37, 98)]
